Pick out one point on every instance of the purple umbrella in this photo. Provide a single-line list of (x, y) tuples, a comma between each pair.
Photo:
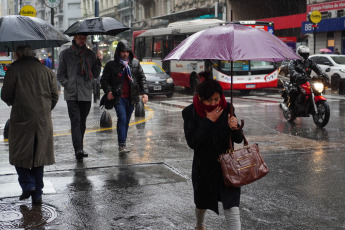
[(232, 42)]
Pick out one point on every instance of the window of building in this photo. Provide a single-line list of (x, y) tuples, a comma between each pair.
[(340, 13), (72, 20), (330, 39), (73, 6)]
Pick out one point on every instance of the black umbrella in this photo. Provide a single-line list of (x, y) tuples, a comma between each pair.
[(96, 26), (22, 30)]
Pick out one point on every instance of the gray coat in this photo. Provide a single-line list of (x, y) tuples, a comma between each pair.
[(76, 87), (31, 89)]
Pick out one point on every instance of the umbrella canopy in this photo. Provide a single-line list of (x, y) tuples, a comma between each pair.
[(22, 30), (232, 42), (96, 26), (325, 50)]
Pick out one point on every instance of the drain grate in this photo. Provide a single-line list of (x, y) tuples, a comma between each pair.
[(23, 215)]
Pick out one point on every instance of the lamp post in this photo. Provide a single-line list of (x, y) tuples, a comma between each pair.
[(96, 86), (52, 4)]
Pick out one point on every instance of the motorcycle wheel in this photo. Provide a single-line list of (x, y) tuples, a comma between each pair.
[(322, 117)]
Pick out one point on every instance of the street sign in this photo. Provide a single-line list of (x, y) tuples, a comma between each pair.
[(315, 16), (28, 11), (52, 3)]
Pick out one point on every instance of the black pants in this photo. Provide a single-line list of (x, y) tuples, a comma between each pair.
[(78, 112)]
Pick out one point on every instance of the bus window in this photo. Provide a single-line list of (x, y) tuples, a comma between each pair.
[(157, 47), (225, 66), (177, 39), (148, 47), (260, 65)]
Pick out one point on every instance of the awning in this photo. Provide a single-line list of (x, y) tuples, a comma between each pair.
[(184, 14)]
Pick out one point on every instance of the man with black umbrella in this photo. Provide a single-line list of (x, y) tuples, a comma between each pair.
[(78, 65)]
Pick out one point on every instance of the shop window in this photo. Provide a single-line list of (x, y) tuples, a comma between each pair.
[(340, 13), (330, 39)]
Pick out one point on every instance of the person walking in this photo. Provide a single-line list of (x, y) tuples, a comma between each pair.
[(123, 80), (207, 128), (78, 65), (31, 89)]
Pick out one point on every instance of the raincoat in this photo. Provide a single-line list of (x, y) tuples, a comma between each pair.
[(31, 89), (111, 80), (208, 140)]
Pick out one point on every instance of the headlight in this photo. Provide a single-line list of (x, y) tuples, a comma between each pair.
[(318, 87), (170, 80), (342, 70)]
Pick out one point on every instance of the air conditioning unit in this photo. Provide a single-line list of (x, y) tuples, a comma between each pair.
[(332, 14)]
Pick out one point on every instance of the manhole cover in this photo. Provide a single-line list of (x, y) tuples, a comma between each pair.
[(23, 215)]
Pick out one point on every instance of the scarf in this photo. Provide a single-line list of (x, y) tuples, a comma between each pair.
[(201, 108), (84, 63), (126, 70)]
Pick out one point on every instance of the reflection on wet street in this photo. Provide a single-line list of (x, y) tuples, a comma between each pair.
[(150, 187)]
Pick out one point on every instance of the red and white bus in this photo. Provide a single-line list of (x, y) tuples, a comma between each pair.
[(155, 44)]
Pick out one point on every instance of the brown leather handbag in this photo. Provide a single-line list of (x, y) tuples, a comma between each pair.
[(242, 166)]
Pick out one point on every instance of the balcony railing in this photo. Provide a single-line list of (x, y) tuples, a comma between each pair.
[(124, 4)]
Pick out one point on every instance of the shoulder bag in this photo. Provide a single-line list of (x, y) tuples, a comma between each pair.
[(242, 166)]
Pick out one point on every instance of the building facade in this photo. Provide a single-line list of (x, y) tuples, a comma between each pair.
[(330, 31)]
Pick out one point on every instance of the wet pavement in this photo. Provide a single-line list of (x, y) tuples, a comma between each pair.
[(150, 187)]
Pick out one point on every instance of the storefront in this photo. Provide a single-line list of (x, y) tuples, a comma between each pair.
[(330, 32)]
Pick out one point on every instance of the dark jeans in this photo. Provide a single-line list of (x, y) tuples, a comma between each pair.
[(31, 179), (78, 112), (124, 110)]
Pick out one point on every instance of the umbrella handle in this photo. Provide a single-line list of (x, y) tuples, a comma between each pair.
[(241, 126), (232, 114)]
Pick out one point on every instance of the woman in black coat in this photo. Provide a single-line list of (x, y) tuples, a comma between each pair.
[(207, 127)]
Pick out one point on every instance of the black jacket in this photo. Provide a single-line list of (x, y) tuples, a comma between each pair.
[(299, 70), (112, 81), (209, 140)]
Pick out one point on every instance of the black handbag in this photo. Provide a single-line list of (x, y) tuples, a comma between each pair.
[(139, 108), (108, 104), (106, 121)]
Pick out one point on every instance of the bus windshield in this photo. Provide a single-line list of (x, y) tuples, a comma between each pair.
[(225, 66)]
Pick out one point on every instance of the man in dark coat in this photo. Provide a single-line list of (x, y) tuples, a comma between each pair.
[(78, 66), (123, 80), (31, 89)]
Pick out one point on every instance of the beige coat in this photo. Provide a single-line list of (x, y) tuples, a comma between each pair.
[(31, 89)]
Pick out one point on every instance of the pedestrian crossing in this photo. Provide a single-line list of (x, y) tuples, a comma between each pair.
[(178, 104)]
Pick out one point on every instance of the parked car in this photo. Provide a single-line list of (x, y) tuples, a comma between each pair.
[(158, 82), (334, 63)]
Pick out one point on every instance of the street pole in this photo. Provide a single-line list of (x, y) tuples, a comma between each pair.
[(96, 15), (96, 86), (52, 22), (314, 33)]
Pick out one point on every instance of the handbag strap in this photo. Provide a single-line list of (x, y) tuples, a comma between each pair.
[(245, 142)]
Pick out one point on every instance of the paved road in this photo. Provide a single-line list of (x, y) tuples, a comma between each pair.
[(150, 188)]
